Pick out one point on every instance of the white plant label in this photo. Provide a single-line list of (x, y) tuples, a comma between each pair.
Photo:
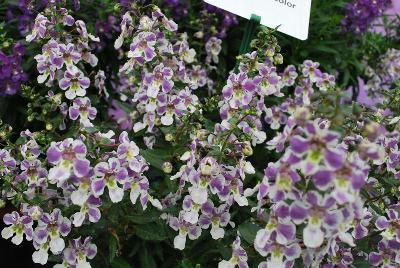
[(292, 16)]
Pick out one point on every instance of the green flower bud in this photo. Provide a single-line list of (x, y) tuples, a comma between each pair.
[(169, 137), (167, 167)]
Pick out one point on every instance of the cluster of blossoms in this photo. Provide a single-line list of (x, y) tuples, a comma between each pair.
[(63, 59), (11, 73), (82, 185), (361, 13), (324, 186), (161, 93)]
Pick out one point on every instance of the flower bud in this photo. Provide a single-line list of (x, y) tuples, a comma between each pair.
[(167, 167), (206, 170), (49, 126), (169, 137), (247, 150), (202, 134), (2, 203)]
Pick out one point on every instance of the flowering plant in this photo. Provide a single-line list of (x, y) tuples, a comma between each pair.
[(155, 156)]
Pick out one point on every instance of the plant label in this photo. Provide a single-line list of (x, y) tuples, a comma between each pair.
[(292, 17)]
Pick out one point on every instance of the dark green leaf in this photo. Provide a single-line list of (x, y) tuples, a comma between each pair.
[(151, 232), (248, 231), (120, 263)]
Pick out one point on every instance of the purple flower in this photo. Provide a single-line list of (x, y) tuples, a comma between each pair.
[(280, 255), (48, 62), (67, 55), (239, 257), (18, 226), (30, 150), (125, 24), (170, 25), (275, 117), (279, 180), (168, 107), (279, 228), (67, 156), (322, 217), (239, 90), (197, 77), (387, 256), (159, 79), (317, 149), (89, 209), (269, 82), (348, 179), (120, 116), (310, 69), (127, 150), (208, 175), (216, 217), (32, 171), (82, 108), (50, 229), (11, 73), (213, 48), (325, 82), (39, 28), (389, 225), (74, 82), (142, 47), (77, 253), (289, 76), (109, 174), (361, 13), (7, 163), (185, 229)]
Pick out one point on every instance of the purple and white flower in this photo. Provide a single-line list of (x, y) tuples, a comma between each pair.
[(82, 109), (74, 82), (68, 157), (185, 229), (239, 257), (50, 229), (109, 174), (18, 227), (78, 253)]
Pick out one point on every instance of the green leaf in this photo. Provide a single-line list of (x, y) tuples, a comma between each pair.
[(146, 259), (151, 232), (149, 216), (186, 264), (248, 231), (156, 157), (112, 248), (120, 263)]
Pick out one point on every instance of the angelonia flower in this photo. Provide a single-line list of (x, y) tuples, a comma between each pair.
[(78, 253), (7, 162), (82, 109), (17, 227), (11, 73), (239, 257), (50, 230), (68, 157), (213, 49)]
